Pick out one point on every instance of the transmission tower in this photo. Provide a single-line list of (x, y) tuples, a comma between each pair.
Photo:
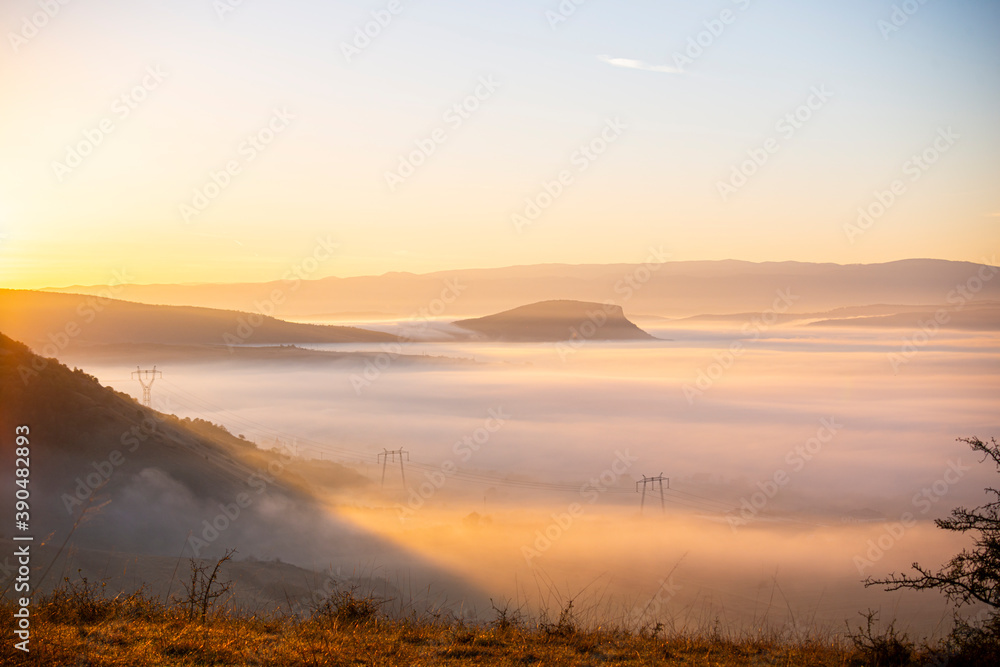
[(146, 379), (392, 453), (652, 482)]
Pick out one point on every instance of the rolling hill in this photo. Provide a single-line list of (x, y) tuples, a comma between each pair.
[(974, 316), (45, 319), (553, 321)]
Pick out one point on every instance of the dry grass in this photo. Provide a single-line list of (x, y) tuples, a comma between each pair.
[(78, 626), (174, 640)]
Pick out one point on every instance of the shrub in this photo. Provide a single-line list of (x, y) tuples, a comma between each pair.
[(348, 608)]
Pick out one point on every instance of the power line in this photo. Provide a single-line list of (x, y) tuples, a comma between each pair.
[(668, 494), (458, 475), (722, 505)]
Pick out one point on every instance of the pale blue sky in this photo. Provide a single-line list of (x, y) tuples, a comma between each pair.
[(657, 184)]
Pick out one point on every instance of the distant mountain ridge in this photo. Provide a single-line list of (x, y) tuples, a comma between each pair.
[(676, 289), (557, 320)]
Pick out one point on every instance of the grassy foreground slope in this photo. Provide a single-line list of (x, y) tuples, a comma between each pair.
[(75, 628)]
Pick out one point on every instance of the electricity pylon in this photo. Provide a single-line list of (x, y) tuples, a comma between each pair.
[(384, 458), (147, 387), (652, 481)]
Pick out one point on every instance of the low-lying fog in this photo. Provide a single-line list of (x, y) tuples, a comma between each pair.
[(838, 444)]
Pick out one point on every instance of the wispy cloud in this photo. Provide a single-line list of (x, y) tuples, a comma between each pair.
[(629, 63)]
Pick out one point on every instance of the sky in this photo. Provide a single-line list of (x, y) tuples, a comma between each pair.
[(225, 140)]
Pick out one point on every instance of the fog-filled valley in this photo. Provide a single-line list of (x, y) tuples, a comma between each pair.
[(801, 456)]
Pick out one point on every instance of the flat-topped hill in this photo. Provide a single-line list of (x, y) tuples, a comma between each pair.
[(553, 321)]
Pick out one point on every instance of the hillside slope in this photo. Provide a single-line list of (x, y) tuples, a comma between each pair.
[(44, 318), (91, 445), (149, 481)]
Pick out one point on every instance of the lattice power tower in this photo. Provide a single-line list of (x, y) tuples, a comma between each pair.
[(146, 378), (384, 458), (652, 482)]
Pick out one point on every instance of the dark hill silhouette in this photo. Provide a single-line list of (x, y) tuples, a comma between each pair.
[(553, 321), (162, 462), (155, 480), (41, 317)]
